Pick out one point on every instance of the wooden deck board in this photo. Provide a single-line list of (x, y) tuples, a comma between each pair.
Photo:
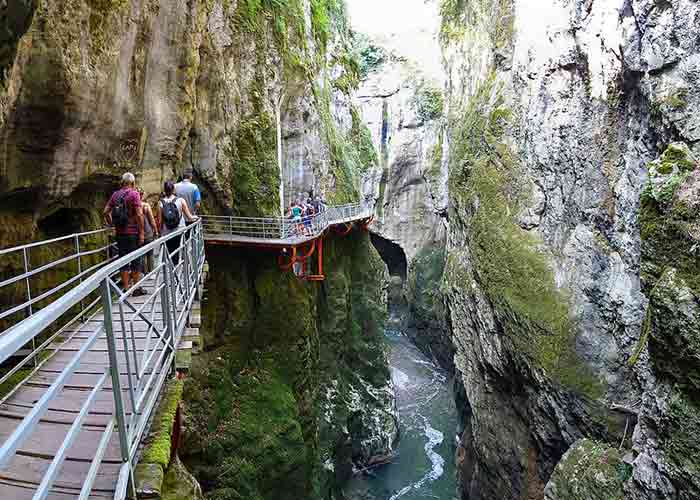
[(19, 480)]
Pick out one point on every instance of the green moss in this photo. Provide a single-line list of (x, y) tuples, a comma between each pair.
[(157, 449), (590, 471), (458, 16), (255, 174), (675, 101), (345, 158), (666, 239), (643, 339), (486, 182), (678, 433), (678, 156), (429, 102), (361, 139)]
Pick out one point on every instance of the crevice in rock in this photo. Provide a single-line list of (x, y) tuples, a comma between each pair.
[(395, 260)]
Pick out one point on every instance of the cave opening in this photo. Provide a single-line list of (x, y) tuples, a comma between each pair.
[(395, 259), (64, 221)]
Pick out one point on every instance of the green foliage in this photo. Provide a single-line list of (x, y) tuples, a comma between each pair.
[(591, 471), (458, 16), (486, 180), (362, 140), (369, 54), (157, 449), (255, 174), (429, 102)]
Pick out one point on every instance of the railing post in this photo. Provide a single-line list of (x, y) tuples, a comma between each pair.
[(185, 259), (194, 256), (114, 370), (80, 271), (165, 300), (25, 258)]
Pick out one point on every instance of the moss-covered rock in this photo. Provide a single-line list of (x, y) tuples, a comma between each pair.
[(589, 471), (157, 446), (179, 484), (488, 192), (295, 379)]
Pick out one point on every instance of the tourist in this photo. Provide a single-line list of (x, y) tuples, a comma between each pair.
[(296, 217), (319, 204), (172, 214), (124, 211), (150, 230), (308, 216), (189, 191)]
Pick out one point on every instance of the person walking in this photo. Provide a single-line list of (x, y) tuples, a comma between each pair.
[(172, 214), (124, 211), (189, 191), (150, 230), (296, 217)]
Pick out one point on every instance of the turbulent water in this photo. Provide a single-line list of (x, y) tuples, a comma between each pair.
[(424, 465)]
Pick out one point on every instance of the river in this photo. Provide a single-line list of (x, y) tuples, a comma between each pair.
[(424, 463)]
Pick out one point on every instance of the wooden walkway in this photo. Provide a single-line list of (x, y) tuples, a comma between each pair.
[(23, 475)]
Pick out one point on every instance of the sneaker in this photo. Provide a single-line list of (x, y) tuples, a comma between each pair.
[(139, 292)]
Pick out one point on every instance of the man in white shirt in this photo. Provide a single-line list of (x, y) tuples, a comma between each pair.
[(189, 191)]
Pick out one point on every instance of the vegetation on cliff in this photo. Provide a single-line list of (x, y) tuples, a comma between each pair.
[(488, 192), (292, 375)]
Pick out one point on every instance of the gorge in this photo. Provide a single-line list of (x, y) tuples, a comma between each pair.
[(533, 168)]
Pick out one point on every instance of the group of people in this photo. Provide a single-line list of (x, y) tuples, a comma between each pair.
[(301, 213), (135, 224)]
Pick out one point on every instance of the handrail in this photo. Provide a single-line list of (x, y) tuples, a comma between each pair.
[(175, 281), (283, 228), (24, 331)]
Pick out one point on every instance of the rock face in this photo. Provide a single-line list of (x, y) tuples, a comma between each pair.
[(93, 88), (403, 109), (555, 110)]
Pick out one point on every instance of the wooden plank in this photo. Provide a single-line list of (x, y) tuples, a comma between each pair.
[(17, 490), (31, 469), (47, 438)]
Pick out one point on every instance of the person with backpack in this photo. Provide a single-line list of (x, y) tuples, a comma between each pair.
[(172, 213), (124, 211)]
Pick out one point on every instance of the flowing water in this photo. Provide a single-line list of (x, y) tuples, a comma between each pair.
[(424, 464)]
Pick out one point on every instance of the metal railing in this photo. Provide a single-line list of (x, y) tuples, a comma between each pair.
[(172, 287), (79, 249), (280, 228)]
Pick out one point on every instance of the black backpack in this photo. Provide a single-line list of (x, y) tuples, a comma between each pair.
[(171, 214), (120, 212)]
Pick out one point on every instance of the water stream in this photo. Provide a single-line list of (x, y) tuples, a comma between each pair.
[(424, 465)]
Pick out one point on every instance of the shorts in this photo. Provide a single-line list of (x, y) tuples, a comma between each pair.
[(127, 243)]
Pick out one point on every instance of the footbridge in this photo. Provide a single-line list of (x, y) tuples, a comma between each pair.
[(82, 375), (83, 363), (298, 241)]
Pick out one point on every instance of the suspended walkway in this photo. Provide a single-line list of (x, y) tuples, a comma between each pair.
[(88, 367), (84, 363), (298, 241)]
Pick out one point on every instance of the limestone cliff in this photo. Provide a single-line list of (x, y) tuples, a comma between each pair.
[(555, 110), (402, 106), (93, 88)]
